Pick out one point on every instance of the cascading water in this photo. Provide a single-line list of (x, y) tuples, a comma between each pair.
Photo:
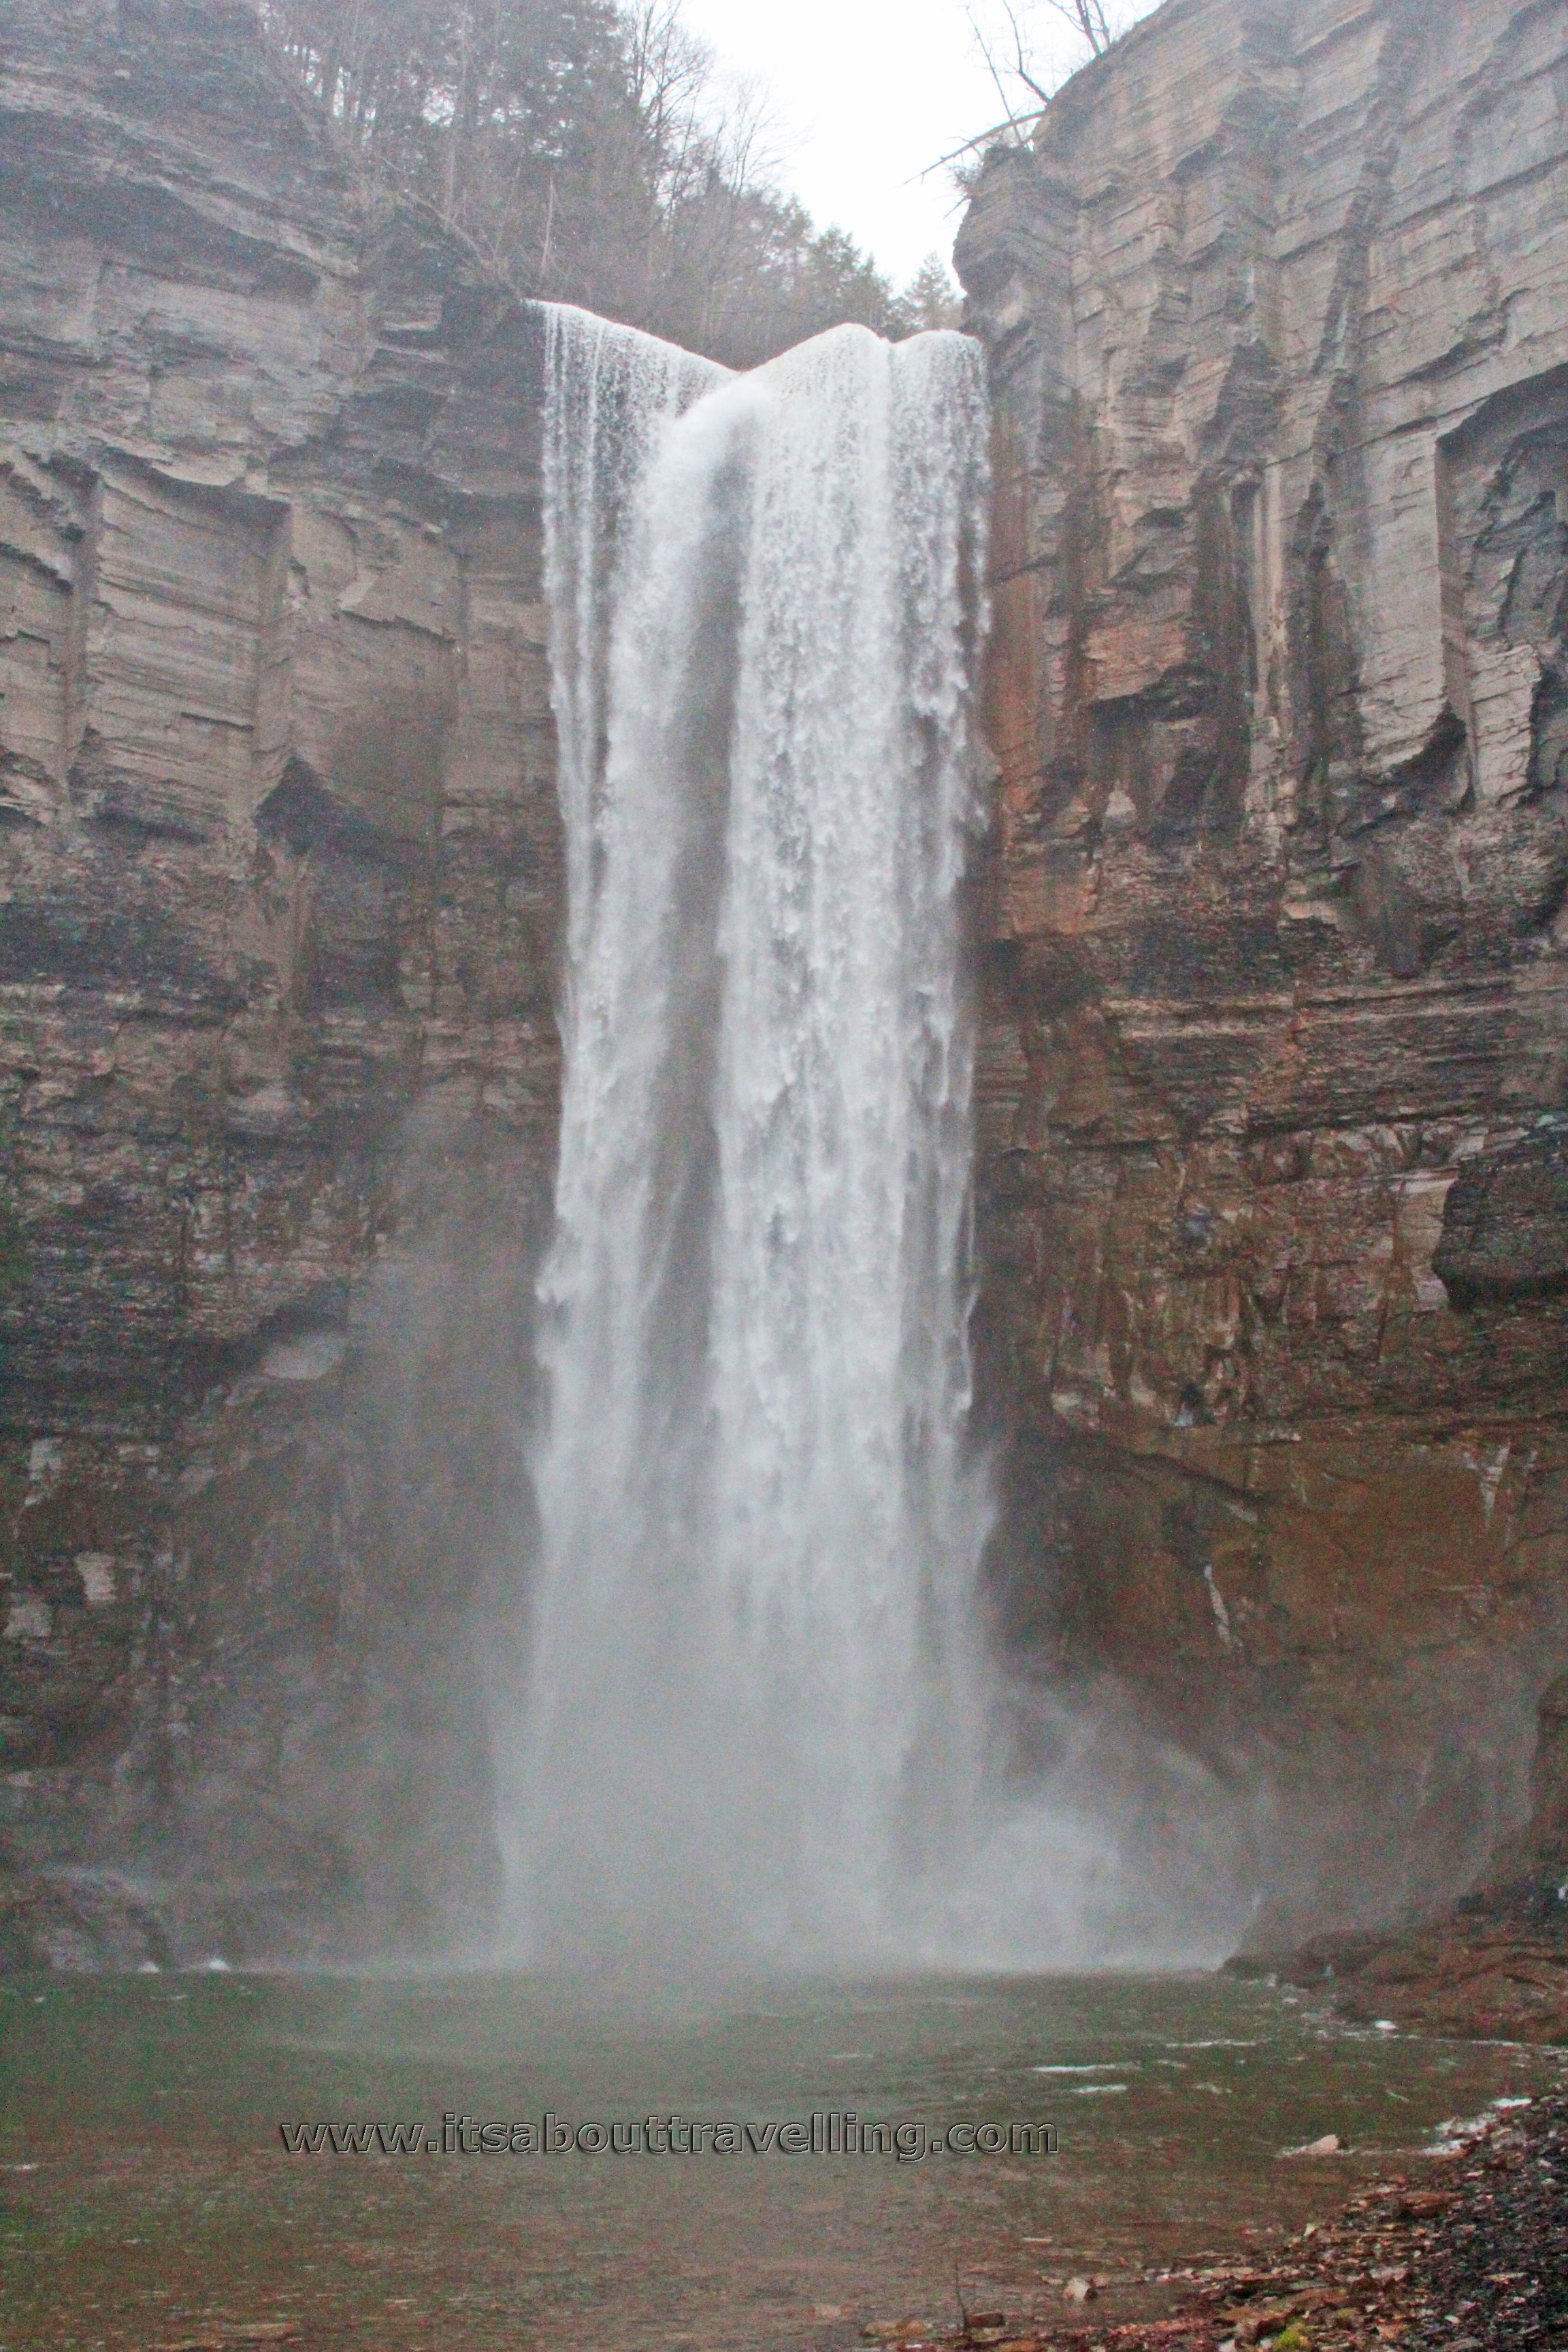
[(749, 1719)]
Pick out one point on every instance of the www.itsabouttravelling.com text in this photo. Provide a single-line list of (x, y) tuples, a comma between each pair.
[(840, 2132)]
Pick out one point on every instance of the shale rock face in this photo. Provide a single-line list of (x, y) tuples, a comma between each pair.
[(280, 882), (1275, 1174)]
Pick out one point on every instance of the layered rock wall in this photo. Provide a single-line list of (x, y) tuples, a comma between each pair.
[(280, 887), (1275, 1151), (1274, 1172)]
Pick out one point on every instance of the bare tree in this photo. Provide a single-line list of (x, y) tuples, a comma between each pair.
[(593, 153), (1025, 83), (1089, 18)]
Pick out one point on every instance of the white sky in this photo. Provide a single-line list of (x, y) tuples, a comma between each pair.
[(867, 92)]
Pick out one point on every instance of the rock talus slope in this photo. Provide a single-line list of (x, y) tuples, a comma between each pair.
[(1275, 1054)]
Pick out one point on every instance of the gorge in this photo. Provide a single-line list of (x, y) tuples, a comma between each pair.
[(1262, 918)]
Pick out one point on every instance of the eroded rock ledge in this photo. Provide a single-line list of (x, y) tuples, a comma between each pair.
[(1276, 1035)]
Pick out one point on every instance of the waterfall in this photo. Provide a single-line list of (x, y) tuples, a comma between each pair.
[(750, 1721)]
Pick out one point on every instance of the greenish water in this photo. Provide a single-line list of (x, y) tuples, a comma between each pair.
[(146, 2196)]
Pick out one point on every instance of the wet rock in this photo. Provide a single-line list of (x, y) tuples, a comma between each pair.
[(1547, 1834), (1496, 1968), (281, 874), (1482, 2261), (1271, 1210), (1505, 1222), (82, 1919)]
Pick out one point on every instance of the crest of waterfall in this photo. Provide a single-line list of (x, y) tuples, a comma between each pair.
[(751, 1719)]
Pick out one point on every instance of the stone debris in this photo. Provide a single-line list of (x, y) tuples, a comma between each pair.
[(1478, 2265), (233, 2336), (1496, 1967)]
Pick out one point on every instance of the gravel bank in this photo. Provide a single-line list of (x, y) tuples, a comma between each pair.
[(1469, 2254)]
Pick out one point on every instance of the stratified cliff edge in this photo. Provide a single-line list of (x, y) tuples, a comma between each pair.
[(280, 878), (1274, 1152)]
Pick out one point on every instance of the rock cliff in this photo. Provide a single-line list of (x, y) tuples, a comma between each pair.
[(279, 880), (1274, 1152), (1271, 943)]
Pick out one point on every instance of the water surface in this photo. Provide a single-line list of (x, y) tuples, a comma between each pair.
[(147, 2195)]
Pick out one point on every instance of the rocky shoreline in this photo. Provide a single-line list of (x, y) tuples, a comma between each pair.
[(1469, 2254), (1494, 1969)]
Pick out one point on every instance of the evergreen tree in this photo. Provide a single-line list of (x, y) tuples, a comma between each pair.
[(931, 298), (589, 152)]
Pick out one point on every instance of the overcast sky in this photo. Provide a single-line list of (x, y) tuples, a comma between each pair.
[(866, 93)]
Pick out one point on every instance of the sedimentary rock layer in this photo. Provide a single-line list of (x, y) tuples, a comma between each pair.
[(1274, 1042), (279, 879), (1274, 1152)]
